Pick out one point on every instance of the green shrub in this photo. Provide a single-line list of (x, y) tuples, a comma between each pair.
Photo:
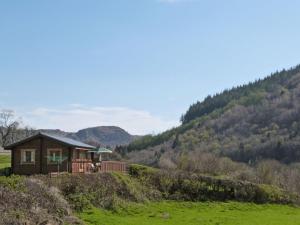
[(184, 186), (136, 170), (277, 195), (79, 201), (13, 182)]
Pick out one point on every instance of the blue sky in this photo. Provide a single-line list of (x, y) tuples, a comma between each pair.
[(72, 64)]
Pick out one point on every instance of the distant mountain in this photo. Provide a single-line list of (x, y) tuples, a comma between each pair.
[(102, 135), (260, 120)]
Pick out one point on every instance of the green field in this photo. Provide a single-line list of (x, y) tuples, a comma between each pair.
[(185, 213), (4, 161)]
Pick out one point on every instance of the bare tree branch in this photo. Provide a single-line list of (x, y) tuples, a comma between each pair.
[(8, 126)]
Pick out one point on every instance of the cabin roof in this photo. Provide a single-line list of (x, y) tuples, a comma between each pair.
[(63, 140)]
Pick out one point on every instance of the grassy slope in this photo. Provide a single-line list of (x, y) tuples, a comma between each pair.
[(4, 161), (185, 213)]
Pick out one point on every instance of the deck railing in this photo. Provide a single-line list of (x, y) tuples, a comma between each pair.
[(112, 166), (86, 166), (81, 166)]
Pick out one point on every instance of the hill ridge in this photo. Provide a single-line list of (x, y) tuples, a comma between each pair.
[(99, 135), (247, 123)]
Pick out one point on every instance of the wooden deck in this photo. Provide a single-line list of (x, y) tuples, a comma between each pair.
[(112, 166), (86, 166), (81, 166)]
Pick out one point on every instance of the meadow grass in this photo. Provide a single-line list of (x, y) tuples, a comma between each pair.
[(4, 161), (187, 213)]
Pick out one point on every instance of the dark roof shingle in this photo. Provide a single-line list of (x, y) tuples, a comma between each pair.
[(64, 140)]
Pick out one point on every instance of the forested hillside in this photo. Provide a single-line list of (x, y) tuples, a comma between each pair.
[(249, 123)]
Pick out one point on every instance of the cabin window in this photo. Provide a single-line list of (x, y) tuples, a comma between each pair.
[(82, 155), (27, 156), (55, 156)]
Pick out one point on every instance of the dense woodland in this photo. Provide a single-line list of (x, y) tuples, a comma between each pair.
[(249, 132)]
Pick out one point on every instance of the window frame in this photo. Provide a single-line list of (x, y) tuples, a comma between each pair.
[(81, 153), (48, 154), (23, 156)]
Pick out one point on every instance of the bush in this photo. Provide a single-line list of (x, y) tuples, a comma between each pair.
[(107, 190), (136, 170), (26, 200), (79, 201), (179, 185), (277, 195), (13, 182)]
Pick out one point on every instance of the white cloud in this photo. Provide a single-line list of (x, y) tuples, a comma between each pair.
[(76, 117)]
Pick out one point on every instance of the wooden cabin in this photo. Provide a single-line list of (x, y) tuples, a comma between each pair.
[(46, 153), (38, 154)]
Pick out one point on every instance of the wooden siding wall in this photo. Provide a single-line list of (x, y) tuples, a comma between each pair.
[(41, 162), (50, 168), (26, 169)]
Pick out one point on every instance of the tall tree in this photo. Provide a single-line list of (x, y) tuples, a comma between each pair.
[(8, 126)]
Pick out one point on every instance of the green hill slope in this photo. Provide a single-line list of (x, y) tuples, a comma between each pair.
[(257, 121)]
